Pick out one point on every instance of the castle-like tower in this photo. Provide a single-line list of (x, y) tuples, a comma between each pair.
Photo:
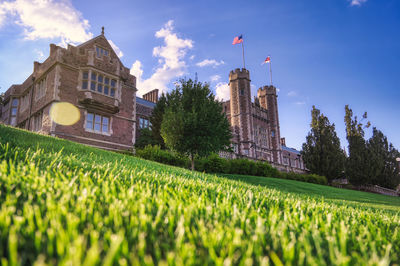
[(268, 100), (255, 125), (240, 111)]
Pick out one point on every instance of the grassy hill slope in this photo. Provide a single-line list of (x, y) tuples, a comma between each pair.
[(62, 202), (328, 194)]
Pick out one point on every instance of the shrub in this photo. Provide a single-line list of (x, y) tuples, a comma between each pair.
[(212, 164), (310, 178), (155, 153), (240, 166), (215, 164), (265, 169)]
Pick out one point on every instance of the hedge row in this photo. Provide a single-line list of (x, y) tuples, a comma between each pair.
[(218, 165), (155, 153)]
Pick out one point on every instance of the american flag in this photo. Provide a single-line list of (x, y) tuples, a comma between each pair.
[(238, 39)]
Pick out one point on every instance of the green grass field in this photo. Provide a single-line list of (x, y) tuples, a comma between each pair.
[(65, 203)]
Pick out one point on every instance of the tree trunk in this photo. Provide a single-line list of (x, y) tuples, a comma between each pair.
[(192, 159)]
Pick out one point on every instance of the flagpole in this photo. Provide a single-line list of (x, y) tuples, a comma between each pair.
[(270, 70), (244, 65)]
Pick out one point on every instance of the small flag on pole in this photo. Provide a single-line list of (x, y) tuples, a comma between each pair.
[(238, 39), (267, 60)]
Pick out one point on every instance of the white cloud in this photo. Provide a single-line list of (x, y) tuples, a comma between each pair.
[(222, 91), (215, 78), (46, 19), (39, 55), (116, 49), (192, 57), (300, 103), (292, 94), (2, 14), (171, 59), (137, 71), (210, 62), (357, 2)]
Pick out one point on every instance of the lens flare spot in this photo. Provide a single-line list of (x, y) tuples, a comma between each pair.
[(64, 113)]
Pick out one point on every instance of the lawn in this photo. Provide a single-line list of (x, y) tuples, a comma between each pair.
[(65, 203), (329, 194)]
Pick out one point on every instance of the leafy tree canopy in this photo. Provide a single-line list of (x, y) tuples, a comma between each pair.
[(156, 121), (194, 123), (145, 138)]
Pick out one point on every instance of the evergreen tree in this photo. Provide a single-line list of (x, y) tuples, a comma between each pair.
[(156, 121), (383, 164), (358, 169), (145, 138), (194, 123), (321, 152)]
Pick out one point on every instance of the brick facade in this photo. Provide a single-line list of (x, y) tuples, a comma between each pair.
[(89, 76)]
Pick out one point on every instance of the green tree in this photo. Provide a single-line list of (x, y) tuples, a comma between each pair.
[(145, 138), (156, 120), (383, 164), (321, 152), (358, 168), (194, 123)]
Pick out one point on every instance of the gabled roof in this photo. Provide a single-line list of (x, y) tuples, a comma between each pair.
[(103, 38)]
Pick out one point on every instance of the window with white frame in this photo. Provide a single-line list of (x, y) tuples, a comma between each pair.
[(97, 123), (14, 112), (85, 80), (99, 83), (40, 89), (100, 52), (144, 123)]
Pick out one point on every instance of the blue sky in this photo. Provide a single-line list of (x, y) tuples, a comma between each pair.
[(325, 53)]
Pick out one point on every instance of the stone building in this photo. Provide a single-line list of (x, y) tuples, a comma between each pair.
[(92, 78), (144, 109), (255, 125)]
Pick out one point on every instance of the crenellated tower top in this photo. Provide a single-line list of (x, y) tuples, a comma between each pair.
[(269, 89), (239, 74)]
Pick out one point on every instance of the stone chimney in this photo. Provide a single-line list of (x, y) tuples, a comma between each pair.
[(151, 96), (53, 48), (36, 66), (283, 142)]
